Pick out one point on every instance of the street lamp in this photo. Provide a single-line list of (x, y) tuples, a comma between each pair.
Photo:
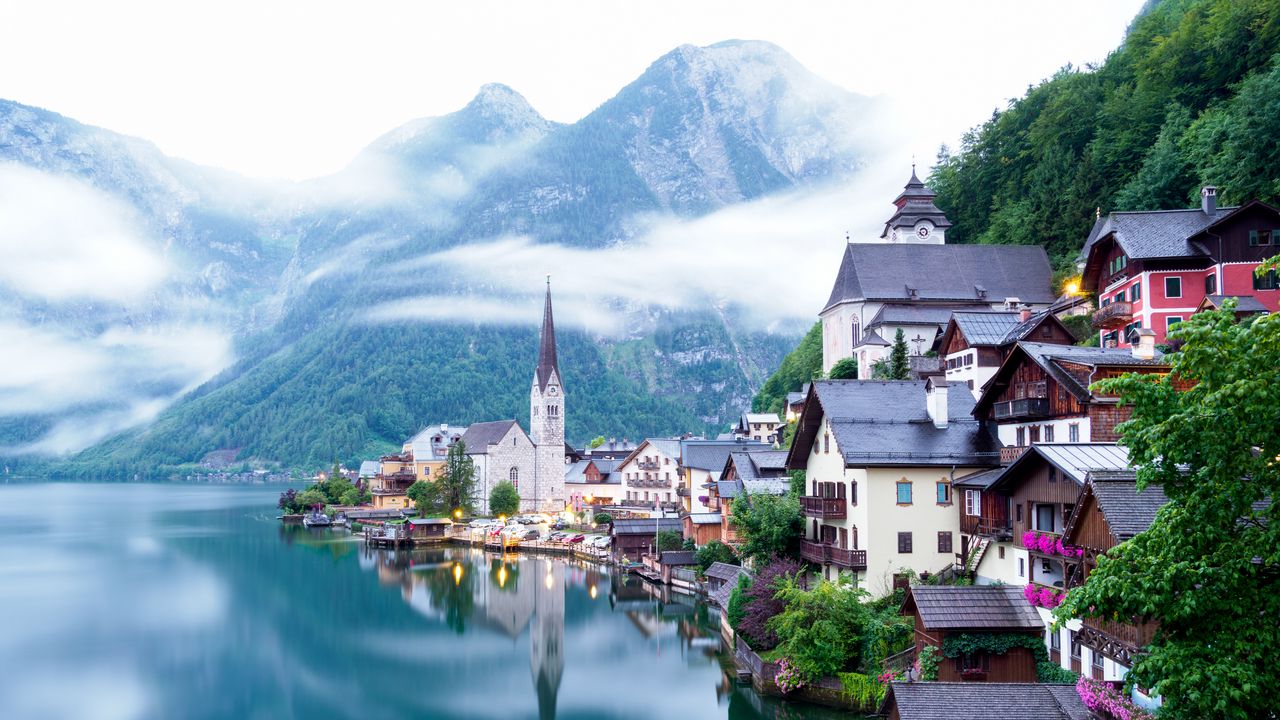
[(457, 514)]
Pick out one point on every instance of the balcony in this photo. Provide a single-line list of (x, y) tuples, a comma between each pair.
[(682, 491), (994, 528), (1134, 637), (1115, 315), (824, 508), (831, 555), (1011, 453), (1029, 407), (649, 483), (647, 464)]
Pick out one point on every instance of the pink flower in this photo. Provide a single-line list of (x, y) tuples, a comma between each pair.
[(1030, 593), (1028, 540)]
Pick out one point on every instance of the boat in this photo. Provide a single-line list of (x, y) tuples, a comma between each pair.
[(316, 519)]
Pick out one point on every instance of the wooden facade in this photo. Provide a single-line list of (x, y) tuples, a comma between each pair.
[(1016, 665)]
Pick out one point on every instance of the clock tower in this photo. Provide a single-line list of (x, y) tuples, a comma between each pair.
[(546, 423), (918, 220)]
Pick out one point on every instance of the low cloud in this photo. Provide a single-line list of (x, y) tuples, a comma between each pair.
[(62, 239)]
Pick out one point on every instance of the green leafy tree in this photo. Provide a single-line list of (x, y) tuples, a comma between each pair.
[(310, 498), (768, 525), (899, 368), (425, 495), (504, 499), (603, 518), (800, 366), (457, 479), (797, 479), (714, 552), (596, 442), (846, 369), (670, 540), (1208, 569), (821, 631)]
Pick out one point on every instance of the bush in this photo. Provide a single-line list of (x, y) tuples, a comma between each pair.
[(670, 540), (761, 603), (603, 518), (738, 603), (504, 499), (714, 552), (822, 631)]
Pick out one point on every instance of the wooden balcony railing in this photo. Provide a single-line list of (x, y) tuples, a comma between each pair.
[(1011, 453), (647, 464), (832, 555), (824, 508), (1115, 315), (996, 528), (1030, 407), (1135, 636), (653, 483)]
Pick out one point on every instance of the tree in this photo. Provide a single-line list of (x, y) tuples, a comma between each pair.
[(603, 518), (596, 442), (714, 552), (1208, 568), (669, 540), (797, 479), (880, 370), (899, 368), (768, 525), (760, 602), (821, 631), (425, 496), (457, 479), (311, 498), (797, 368), (846, 369), (504, 499)]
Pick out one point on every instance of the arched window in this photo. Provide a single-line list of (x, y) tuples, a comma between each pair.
[(857, 332), (514, 476)]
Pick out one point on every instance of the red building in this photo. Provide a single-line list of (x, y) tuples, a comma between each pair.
[(1152, 269)]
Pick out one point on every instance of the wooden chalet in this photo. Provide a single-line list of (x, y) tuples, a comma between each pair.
[(982, 701), (974, 344), (429, 529), (1110, 511), (636, 537), (943, 611), (745, 473), (722, 578)]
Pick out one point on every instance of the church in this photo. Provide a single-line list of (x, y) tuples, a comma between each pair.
[(910, 279)]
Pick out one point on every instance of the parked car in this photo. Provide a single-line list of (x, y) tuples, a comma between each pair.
[(531, 535), (576, 539), (603, 541), (481, 523), (560, 525)]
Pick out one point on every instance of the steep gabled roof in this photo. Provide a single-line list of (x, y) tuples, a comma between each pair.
[(667, 446), (1127, 510), (1155, 233), (724, 571), (1073, 460), (959, 274), (985, 701), (885, 423), (975, 607), (479, 436), (711, 455), (1051, 358), (760, 465)]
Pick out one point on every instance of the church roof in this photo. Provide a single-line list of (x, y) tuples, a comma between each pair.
[(547, 363), (480, 436), (970, 274), (915, 203)]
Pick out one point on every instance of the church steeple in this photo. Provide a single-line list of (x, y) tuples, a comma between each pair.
[(547, 364), (917, 219)]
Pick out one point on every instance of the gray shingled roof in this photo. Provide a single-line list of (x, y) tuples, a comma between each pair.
[(369, 468), (1050, 357), (646, 526), (901, 314), (711, 454), (721, 595), (986, 701), (871, 337), (981, 480), (1074, 460), (762, 465), (724, 571), (974, 607), (985, 328), (1127, 511), (1244, 303), (884, 422), (1154, 234), (480, 436), (704, 518), (779, 486), (678, 557), (953, 273), (575, 474)]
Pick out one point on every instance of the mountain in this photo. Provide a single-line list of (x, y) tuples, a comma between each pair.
[(368, 303)]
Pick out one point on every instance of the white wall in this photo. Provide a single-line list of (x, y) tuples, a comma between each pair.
[(1008, 432)]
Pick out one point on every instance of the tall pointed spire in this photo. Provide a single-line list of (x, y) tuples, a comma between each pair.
[(547, 352)]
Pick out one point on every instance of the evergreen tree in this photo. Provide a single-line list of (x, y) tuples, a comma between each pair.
[(457, 479), (899, 368)]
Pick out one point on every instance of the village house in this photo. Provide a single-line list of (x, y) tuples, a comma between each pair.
[(943, 612), (880, 458), (611, 449), (983, 701), (973, 344), (1035, 494), (593, 483), (1110, 511), (722, 578), (744, 473), (651, 475), (389, 487), (1043, 392), (1152, 269), (760, 427), (637, 537), (911, 280), (701, 462), (795, 403)]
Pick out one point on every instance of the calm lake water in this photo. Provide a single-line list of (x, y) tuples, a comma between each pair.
[(161, 601)]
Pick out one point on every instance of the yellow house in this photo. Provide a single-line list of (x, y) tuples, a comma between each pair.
[(880, 458), (420, 458)]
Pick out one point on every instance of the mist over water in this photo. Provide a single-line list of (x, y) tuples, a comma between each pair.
[(164, 601)]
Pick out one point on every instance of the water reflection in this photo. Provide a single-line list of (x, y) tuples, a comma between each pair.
[(159, 601)]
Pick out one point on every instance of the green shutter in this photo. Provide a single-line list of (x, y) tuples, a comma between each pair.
[(1253, 238)]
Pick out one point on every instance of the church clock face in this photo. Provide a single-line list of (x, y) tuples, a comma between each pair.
[(551, 391), (923, 232)]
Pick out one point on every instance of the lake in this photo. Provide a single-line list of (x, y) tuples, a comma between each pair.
[(124, 601)]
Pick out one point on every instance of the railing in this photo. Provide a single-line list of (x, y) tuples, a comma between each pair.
[(1137, 636), (1009, 454), (991, 527), (650, 483), (1117, 314), (682, 491), (830, 554), (647, 464), (1023, 407), (823, 507)]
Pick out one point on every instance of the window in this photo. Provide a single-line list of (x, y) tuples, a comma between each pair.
[(944, 493), (1022, 437), (1044, 518), (1266, 282), (904, 493), (1048, 433), (1019, 508), (944, 542), (1275, 237), (1120, 297), (1253, 238), (1096, 658), (1001, 549), (1035, 433), (1210, 284), (514, 476), (1073, 432), (1135, 292), (857, 332), (853, 492), (1173, 287), (1075, 644), (904, 542), (826, 442), (1055, 640), (972, 503), (1053, 474), (1171, 321), (1046, 566), (1022, 567)]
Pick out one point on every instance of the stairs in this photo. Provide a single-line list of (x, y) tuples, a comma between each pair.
[(975, 555)]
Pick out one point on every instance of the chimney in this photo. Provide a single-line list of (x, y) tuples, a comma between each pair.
[(1145, 347), (1024, 313), (935, 399), (1209, 200), (1011, 303)]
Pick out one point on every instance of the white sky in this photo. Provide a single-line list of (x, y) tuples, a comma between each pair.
[(295, 88)]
